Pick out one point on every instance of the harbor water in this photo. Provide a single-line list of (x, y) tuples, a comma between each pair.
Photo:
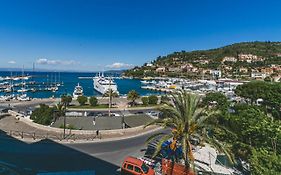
[(68, 81)]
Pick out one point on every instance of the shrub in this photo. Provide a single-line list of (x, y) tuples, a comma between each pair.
[(42, 115), (152, 99), (144, 101), (82, 100), (93, 101)]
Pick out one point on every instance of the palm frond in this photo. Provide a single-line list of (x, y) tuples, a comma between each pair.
[(160, 143), (153, 137)]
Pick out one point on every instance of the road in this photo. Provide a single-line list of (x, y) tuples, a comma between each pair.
[(47, 156)]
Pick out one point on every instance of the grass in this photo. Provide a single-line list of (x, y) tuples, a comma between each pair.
[(99, 106), (141, 105)]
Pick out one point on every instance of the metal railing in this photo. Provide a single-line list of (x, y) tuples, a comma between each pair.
[(52, 136)]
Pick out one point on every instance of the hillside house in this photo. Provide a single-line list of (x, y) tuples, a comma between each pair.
[(243, 70), (174, 69), (216, 73), (249, 58), (229, 59), (161, 69), (258, 75), (267, 70)]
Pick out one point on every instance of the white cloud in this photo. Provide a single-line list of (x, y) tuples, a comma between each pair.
[(12, 62), (44, 61), (119, 66)]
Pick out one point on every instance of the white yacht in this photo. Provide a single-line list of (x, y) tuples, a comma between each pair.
[(78, 91), (102, 84)]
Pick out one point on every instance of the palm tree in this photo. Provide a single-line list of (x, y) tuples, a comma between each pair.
[(133, 96), (186, 122), (58, 111)]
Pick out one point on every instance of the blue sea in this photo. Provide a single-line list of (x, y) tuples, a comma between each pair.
[(70, 80)]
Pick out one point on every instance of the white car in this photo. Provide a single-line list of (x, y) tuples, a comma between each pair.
[(153, 113)]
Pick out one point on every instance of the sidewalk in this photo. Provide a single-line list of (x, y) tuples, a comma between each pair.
[(20, 130)]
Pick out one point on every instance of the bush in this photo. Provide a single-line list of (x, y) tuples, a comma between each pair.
[(144, 101), (43, 115), (152, 100), (93, 101), (82, 100)]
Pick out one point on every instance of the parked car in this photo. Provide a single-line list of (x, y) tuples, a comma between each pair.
[(139, 112), (153, 113), (134, 166)]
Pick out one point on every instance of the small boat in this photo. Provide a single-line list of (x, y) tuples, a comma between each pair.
[(78, 91), (145, 82), (22, 90)]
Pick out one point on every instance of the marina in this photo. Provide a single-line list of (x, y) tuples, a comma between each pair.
[(54, 84)]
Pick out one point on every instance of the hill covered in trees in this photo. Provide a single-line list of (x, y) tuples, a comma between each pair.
[(250, 55)]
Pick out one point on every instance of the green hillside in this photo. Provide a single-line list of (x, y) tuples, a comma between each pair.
[(269, 51)]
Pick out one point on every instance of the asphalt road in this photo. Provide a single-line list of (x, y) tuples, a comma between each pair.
[(104, 158)]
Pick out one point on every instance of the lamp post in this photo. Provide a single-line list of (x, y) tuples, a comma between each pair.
[(64, 117), (64, 120)]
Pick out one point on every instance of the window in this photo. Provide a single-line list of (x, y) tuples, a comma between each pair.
[(137, 169), (124, 165), (145, 168), (130, 167)]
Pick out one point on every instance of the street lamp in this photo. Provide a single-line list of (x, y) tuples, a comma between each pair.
[(64, 120), (64, 117)]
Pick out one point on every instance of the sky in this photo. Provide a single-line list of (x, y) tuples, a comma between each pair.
[(96, 35)]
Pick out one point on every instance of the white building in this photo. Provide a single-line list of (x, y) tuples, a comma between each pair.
[(229, 59), (216, 73), (258, 75)]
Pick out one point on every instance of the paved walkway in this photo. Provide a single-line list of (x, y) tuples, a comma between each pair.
[(16, 128)]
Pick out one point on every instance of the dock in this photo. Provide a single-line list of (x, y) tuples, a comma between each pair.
[(152, 88)]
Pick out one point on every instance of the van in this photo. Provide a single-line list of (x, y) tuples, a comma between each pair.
[(134, 166)]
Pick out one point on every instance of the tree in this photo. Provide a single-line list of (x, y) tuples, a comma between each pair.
[(218, 98), (82, 100), (111, 92), (144, 101), (269, 92), (59, 111), (42, 115), (152, 100), (186, 121), (66, 99), (93, 101), (133, 96)]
